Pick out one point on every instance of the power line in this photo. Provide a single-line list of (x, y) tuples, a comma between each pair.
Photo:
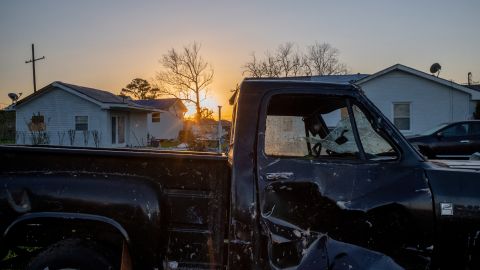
[(33, 60)]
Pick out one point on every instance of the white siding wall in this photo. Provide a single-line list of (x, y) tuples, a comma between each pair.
[(59, 109), (431, 103), (167, 128), (137, 131)]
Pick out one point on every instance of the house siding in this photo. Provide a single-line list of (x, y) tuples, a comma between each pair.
[(430, 103), (168, 127), (137, 129), (59, 109)]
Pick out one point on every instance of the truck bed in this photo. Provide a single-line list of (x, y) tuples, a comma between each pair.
[(193, 189)]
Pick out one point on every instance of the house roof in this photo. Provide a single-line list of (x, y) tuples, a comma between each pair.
[(97, 94), (474, 86), (348, 78), (475, 95), (334, 79), (161, 104), (104, 99)]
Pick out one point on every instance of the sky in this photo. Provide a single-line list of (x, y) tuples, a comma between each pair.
[(105, 44)]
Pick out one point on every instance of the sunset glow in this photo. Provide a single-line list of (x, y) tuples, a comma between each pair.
[(106, 44)]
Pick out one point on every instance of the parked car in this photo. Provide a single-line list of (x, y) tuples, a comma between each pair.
[(458, 139), (290, 194)]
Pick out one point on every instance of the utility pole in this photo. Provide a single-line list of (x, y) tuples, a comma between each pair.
[(33, 60), (219, 129)]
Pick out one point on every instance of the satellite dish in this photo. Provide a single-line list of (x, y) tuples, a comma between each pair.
[(14, 97), (435, 68)]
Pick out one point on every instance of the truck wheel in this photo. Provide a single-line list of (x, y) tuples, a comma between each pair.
[(71, 254)]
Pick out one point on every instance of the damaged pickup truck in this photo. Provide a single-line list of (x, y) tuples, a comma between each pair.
[(315, 178)]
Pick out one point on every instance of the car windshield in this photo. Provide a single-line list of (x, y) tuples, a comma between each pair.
[(433, 130)]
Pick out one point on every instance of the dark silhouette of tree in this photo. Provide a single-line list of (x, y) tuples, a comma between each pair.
[(185, 75), (322, 59), (206, 113), (140, 89), (287, 61)]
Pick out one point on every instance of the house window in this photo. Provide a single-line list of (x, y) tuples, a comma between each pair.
[(155, 117), (37, 123), (81, 123), (401, 115)]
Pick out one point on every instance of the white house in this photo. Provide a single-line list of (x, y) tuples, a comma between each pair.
[(416, 101), (413, 100), (208, 129), (166, 121), (66, 114)]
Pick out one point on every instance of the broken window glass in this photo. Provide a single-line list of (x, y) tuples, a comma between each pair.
[(285, 136), (309, 126), (341, 139), (374, 145)]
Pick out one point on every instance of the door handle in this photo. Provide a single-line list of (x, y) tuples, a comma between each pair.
[(464, 141), (279, 175)]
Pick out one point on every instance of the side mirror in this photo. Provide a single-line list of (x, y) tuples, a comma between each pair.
[(439, 135)]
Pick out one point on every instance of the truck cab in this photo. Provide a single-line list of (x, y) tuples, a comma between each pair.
[(335, 183)]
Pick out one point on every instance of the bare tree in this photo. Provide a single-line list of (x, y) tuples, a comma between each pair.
[(271, 66), (254, 67), (71, 136), (96, 137), (319, 59), (185, 75), (268, 67), (322, 59), (289, 59)]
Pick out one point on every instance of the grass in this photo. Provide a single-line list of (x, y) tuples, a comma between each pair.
[(11, 254), (5, 141), (169, 143), (13, 260)]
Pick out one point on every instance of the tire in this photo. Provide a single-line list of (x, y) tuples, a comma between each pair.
[(71, 254)]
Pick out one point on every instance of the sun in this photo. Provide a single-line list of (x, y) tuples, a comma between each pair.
[(211, 102)]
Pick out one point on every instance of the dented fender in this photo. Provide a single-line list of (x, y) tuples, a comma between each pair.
[(350, 213)]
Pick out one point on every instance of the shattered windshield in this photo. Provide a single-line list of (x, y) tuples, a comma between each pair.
[(374, 145), (340, 139)]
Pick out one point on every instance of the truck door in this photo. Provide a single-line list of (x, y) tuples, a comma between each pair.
[(334, 189)]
